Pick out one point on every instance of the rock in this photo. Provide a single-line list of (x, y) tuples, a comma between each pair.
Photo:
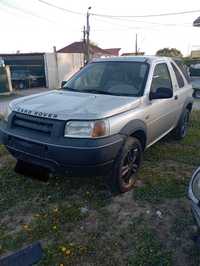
[(159, 214), (84, 210), (91, 223)]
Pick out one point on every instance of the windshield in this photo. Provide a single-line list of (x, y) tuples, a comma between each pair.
[(115, 78)]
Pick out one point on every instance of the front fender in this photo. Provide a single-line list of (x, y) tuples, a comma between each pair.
[(133, 126)]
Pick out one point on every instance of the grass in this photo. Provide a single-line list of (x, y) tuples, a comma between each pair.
[(168, 166), (78, 223), (148, 251)]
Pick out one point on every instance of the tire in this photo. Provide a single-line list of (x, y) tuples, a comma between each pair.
[(181, 130), (126, 166)]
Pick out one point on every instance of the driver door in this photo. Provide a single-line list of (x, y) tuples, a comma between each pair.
[(161, 111)]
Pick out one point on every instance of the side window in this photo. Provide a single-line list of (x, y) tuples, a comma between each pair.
[(161, 77), (184, 69), (178, 76)]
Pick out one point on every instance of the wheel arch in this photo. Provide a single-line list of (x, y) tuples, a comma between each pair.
[(137, 129), (188, 104)]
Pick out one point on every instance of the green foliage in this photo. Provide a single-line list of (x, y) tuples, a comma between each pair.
[(168, 166), (173, 52), (118, 231), (148, 249)]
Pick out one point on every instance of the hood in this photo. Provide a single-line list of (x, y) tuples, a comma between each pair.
[(65, 105)]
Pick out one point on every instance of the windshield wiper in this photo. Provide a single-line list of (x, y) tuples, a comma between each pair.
[(97, 91), (69, 89)]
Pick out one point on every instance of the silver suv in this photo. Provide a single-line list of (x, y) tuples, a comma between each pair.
[(102, 120)]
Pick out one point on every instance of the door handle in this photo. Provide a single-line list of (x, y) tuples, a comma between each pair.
[(176, 97)]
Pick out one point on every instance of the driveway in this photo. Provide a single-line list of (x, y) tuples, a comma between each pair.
[(4, 100)]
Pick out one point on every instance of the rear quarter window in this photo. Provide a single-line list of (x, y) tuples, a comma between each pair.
[(179, 78), (184, 69)]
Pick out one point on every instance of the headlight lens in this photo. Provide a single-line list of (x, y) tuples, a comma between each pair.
[(87, 129), (196, 186), (7, 113)]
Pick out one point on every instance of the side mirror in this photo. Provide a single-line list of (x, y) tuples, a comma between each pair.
[(196, 93), (161, 93), (63, 83)]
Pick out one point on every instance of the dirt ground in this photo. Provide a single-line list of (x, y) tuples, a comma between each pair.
[(78, 222)]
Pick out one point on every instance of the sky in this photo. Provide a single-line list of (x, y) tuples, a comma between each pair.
[(33, 26)]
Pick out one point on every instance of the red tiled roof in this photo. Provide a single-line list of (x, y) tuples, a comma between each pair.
[(79, 47), (113, 51)]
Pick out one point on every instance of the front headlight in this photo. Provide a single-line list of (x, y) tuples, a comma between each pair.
[(87, 129), (195, 185), (7, 113)]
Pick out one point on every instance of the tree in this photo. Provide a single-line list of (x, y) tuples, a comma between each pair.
[(173, 52), (93, 43)]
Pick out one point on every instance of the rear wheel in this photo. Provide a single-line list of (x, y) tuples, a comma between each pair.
[(182, 127), (126, 166)]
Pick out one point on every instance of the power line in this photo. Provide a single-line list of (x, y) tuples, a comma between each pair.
[(123, 25), (24, 11), (61, 8), (125, 16), (140, 21), (149, 15), (121, 17)]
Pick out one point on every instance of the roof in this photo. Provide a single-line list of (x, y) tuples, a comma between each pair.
[(19, 54), (79, 47), (113, 51), (131, 59)]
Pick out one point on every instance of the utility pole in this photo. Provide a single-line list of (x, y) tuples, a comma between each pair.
[(84, 45), (136, 44), (88, 35)]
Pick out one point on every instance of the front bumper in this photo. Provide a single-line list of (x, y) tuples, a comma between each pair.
[(59, 154)]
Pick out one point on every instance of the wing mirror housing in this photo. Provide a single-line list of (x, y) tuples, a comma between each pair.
[(63, 83), (161, 93)]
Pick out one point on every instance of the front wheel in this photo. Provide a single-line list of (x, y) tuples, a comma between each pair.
[(181, 130), (126, 166)]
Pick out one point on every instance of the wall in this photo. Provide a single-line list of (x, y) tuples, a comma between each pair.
[(51, 70), (5, 80), (195, 54), (68, 64), (61, 66)]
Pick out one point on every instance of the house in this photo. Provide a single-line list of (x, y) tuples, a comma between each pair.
[(95, 51), (113, 51), (195, 54)]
